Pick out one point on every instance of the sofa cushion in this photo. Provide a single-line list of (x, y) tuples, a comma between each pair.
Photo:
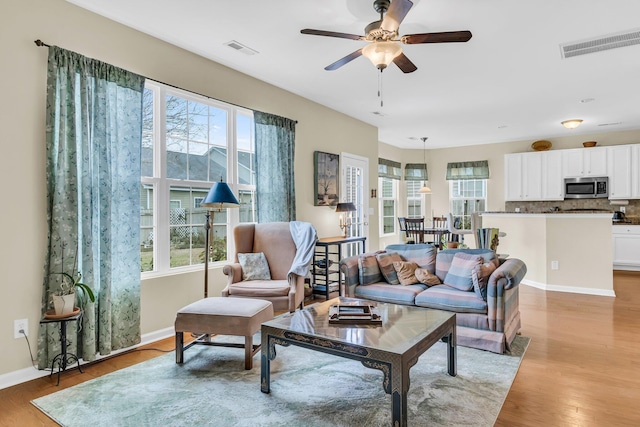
[(444, 258), (254, 266), (368, 270), (385, 262), (406, 272), (424, 276), (390, 293), (461, 270), (422, 254), (445, 297), (480, 276)]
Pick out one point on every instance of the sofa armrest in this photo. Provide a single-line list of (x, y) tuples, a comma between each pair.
[(349, 269), (511, 272), (502, 293)]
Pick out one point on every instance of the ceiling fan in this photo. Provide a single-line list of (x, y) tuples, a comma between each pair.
[(382, 35)]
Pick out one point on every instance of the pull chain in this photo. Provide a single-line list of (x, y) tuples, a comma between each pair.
[(380, 89)]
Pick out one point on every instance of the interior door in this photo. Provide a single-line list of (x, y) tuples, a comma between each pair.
[(355, 179)]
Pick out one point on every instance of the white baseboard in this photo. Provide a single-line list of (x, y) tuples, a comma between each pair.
[(569, 289), (27, 374), (626, 267)]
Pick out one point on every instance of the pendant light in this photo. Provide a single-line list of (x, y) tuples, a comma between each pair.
[(424, 189)]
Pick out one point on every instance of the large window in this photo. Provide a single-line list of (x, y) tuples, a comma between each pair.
[(414, 199), (189, 142), (465, 197), (388, 189)]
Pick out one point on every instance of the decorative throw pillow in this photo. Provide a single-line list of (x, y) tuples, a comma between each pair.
[(385, 262), (368, 270), (424, 276), (480, 276), (459, 275), (254, 266), (406, 271)]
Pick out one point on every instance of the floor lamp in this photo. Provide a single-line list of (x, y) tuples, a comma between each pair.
[(219, 197)]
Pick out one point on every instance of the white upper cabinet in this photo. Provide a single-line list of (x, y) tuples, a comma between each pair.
[(523, 173), (635, 171), (620, 158), (584, 162), (552, 179)]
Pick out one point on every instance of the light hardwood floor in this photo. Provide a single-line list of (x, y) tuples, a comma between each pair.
[(582, 367)]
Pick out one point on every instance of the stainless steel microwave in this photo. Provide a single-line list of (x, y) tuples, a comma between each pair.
[(586, 188)]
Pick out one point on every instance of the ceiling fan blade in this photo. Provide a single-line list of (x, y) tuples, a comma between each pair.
[(342, 61), (444, 37), (396, 13), (331, 34), (404, 64)]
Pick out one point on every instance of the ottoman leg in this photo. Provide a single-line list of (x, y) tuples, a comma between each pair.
[(179, 347), (248, 352)]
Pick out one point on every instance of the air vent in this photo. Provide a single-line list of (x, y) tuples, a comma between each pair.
[(241, 48), (612, 41), (610, 124)]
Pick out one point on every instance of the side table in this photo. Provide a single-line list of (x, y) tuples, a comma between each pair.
[(326, 279), (64, 358)]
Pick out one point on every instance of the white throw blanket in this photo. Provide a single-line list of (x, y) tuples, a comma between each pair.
[(305, 237)]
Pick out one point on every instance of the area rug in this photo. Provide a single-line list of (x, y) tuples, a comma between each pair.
[(307, 389)]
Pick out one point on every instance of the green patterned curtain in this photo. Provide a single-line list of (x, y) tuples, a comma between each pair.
[(93, 144), (275, 150), (468, 170)]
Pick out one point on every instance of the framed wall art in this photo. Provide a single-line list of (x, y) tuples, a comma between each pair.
[(326, 172)]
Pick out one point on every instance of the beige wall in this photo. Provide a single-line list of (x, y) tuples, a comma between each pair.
[(23, 88)]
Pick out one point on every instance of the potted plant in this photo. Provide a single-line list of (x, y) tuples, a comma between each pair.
[(65, 297)]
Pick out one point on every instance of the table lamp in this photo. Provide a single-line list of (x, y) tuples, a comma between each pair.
[(219, 197), (345, 222)]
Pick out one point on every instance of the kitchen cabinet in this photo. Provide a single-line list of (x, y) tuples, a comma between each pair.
[(552, 179), (635, 171), (533, 176), (584, 162), (626, 247), (619, 166)]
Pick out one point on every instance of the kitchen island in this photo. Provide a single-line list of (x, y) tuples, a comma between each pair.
[(563, 251)]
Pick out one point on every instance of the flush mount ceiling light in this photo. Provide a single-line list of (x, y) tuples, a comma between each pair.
[(571, 124)]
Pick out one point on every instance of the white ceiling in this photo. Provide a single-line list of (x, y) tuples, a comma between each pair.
[(507, 83)]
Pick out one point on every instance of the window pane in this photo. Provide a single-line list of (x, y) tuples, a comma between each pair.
[(218, 127), (147, 133), (247, 206), (186, 226), (146, 228), (198, 123)]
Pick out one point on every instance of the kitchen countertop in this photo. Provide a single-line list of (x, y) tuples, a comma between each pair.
[(630, 220)]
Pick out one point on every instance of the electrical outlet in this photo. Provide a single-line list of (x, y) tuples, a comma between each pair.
[(622, 209), (554, 265), (20, 325)]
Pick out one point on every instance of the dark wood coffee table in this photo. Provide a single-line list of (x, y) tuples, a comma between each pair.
[(376, 347)]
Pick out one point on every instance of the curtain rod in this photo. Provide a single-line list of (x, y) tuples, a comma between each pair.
[(40, 43)]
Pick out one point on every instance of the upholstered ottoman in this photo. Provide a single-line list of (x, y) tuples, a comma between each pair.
[(224, 316)]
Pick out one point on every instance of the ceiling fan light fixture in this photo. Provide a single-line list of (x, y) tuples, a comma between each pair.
[(571, 124), (381, 53)]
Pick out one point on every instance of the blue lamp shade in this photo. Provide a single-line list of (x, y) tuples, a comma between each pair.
[(220, 196)]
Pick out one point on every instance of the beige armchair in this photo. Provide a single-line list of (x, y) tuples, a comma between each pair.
[(288, 261)]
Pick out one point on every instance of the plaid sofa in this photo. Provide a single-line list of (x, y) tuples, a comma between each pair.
[(487, 320)]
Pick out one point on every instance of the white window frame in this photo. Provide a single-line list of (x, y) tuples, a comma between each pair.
[(382, 199), (466, 225), (414, 196), (161, 184)]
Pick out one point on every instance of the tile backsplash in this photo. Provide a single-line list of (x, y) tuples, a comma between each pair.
[(632, 209)]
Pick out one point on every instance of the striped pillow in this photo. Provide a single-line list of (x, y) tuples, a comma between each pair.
[(460, 274), (385, 262), (368, 270)]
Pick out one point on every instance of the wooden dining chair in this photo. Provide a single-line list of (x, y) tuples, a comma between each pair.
[(415, 229)]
